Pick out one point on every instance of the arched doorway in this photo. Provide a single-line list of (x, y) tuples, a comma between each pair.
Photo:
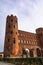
[(31, 52), (25, 52), (41, 52), (38, 52)]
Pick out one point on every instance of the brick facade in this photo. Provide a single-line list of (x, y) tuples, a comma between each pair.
[(15, 39)]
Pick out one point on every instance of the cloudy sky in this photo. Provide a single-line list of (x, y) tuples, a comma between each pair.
[(29, 13)]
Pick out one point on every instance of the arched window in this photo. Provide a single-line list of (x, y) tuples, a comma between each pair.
[(11, 20), (11, 32), (14, 26), (14, 40), (8, 39), (9, 26)]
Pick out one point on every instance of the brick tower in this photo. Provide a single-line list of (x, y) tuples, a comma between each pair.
[(39, 32), (11, 47)]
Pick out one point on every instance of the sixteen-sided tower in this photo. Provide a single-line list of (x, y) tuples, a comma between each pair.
[(11, 47), (39, 32)]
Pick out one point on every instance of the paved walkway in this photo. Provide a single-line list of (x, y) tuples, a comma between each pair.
[(3, 63)]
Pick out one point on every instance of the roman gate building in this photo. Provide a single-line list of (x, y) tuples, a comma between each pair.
[(16, 40)]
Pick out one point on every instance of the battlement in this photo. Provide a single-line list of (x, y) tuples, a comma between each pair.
[(39, 30)]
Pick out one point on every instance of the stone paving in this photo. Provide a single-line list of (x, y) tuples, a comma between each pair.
[(4, 63)]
